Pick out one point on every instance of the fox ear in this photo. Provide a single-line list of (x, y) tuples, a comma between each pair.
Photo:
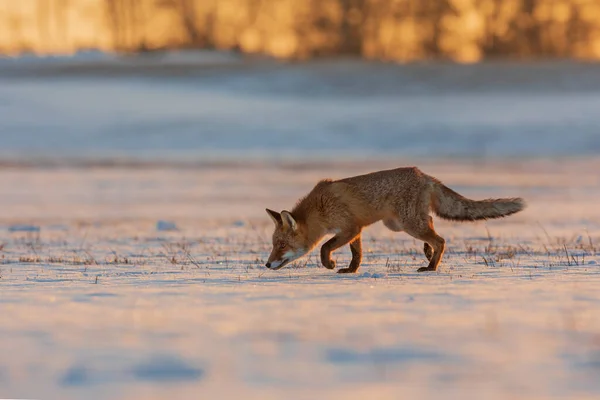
[(275, 216), (288, 220)]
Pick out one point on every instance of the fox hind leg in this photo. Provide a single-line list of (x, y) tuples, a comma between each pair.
[(439, 246), (423, 230), (428, 250), (397, 226)]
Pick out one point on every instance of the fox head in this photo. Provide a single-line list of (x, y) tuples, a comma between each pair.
[(289, 242)]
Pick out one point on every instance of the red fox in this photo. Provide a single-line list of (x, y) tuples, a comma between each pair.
[(402, 198)]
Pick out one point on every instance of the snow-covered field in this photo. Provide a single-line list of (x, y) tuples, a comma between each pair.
[(106, 301), (133, 237), (225, 107)]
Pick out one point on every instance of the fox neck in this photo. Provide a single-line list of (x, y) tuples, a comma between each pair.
[(313, 237), (307, 217), (313, 232)]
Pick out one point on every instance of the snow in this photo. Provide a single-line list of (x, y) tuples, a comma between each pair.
[(94, 59), (109, 307), (267, 110), (102, 302), (23, 228), (165, 226)]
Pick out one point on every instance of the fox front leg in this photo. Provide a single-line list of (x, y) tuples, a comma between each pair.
[(326, 256), (356, 249), (335, 243)]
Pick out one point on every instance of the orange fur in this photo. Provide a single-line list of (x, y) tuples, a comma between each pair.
[(402, 198)]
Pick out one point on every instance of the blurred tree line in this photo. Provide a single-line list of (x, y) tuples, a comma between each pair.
[(463, 30)]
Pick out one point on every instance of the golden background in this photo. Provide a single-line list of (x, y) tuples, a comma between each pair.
[(401, 30)]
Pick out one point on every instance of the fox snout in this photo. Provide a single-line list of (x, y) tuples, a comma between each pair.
[(277, 260), (276, 264)]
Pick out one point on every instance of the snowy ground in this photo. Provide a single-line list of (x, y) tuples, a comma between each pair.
[(228, 107), (99, 299), (99, 303)]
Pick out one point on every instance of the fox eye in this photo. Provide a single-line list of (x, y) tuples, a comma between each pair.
[(282, 245)]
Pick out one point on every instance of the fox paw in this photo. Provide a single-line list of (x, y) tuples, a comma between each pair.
[(346, 271), (330, 265), (425, 269)]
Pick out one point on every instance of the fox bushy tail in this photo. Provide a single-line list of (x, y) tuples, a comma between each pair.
[(448, 204)]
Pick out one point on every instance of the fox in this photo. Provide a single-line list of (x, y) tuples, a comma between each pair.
[(402, 198)]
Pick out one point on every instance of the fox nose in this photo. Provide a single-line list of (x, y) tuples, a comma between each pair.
[(268, 265)]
